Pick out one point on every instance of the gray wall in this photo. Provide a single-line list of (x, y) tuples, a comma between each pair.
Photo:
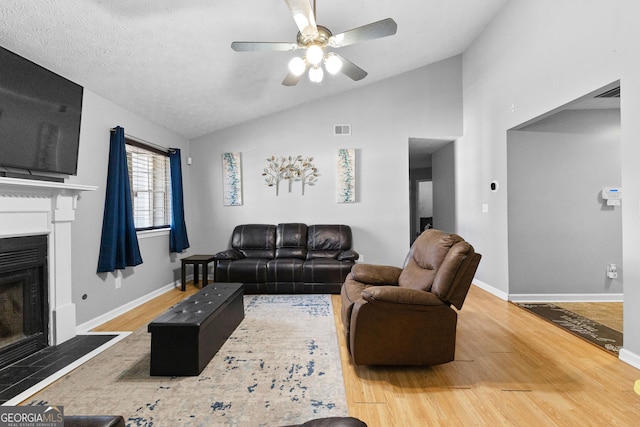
[(159, 268), (422, 103), (444, 189), (561, 234), (525, 63)]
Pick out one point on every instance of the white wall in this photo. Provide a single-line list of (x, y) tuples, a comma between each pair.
[(158, 268), (422, 103), (425, 199), (534, 57)]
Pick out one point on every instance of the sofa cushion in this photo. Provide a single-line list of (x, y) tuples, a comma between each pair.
[(284, 270), (328, 241), (255, 240), (325, 270), (291, 240), (242, 270)]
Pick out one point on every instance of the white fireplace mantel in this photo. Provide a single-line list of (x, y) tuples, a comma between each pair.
[(30, 207)]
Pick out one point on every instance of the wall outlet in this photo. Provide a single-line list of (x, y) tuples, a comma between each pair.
[(118, 279), (361, 258), (612, 271)]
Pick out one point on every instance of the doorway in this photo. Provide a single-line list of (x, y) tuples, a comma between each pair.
[(431, 185), (563, 235)]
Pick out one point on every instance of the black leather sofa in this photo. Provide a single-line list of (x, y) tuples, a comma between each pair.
[(287, 258)]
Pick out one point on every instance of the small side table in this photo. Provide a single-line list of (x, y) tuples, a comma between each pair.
[(196, 261)]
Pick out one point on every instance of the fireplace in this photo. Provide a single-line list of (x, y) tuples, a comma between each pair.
[(39, 211), (24, 313)]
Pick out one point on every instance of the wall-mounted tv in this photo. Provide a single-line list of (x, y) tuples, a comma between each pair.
[(40, 114)]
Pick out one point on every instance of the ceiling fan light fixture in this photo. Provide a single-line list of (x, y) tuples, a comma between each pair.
[(332, 63), (314, 54), (297, 66), (316, 74)]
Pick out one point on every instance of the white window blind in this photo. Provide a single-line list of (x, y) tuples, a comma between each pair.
[(150, 180)]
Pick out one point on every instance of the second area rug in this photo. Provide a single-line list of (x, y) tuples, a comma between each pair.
[(587, 329)]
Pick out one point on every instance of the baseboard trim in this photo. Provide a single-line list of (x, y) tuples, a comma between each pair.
[(631, 358), (97, 321), (492, 290), (566, 297)]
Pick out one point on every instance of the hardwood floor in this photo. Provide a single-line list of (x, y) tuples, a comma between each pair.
[(144, 314), (511, 369)]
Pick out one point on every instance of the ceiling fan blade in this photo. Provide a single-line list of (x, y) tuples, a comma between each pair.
[(375, 30), (263, 46), (303, 15), (351, 70)]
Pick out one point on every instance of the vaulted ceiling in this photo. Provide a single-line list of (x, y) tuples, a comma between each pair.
[(171, 61)]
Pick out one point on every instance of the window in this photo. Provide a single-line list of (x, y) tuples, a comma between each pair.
[(150, 180)]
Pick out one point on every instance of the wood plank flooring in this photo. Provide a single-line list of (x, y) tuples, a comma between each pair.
[(511, 369), (143, 315)]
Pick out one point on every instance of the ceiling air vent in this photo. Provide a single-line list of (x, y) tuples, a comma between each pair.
[(613, 93), (342, 129)]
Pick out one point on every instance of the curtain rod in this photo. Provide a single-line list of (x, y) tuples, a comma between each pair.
[(142, 141)]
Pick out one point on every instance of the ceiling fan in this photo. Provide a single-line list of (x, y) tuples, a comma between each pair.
[(316, 39)]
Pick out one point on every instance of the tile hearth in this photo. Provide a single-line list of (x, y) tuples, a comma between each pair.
[(30, 371)]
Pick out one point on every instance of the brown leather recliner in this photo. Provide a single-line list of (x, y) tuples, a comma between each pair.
[(395, 316)]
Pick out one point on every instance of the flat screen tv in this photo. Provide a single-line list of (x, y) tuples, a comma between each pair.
[(40, 114)]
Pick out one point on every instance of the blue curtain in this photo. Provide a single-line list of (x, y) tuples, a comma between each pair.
[(119, 244), (178, 240)]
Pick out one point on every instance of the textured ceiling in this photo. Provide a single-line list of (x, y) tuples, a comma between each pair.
[(171, 62)]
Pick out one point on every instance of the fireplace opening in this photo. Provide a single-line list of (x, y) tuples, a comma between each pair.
[(24, 311)]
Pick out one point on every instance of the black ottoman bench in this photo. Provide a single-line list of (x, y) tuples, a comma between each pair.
[(188, 335)]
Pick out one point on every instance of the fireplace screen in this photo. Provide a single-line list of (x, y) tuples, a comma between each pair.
[(11, 313), (23, 297)]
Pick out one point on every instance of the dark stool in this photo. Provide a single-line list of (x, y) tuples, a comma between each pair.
[(196, 261)]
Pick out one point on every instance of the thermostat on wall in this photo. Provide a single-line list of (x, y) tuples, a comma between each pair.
[(612, 195)]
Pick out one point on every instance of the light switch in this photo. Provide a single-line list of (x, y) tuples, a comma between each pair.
[(485, 208)]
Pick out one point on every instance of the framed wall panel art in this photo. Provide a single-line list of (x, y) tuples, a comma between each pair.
[(232, 179), (346, 176)]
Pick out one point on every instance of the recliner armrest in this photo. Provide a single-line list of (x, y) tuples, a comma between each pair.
[(348, 255), (397, 295), (229, 254), (375, 274)]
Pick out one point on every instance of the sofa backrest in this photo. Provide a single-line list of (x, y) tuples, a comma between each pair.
[(441, 263), (255, 240), (327, 241), (291, 240)]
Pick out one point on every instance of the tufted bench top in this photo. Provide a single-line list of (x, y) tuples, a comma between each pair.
[(196, 309)]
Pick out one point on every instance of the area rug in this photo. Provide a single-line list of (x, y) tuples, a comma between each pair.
[(281, 366), (594, 332)]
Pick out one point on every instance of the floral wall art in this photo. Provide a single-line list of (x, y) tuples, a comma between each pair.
[(290, 169), (346, 176), (232, 179)]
